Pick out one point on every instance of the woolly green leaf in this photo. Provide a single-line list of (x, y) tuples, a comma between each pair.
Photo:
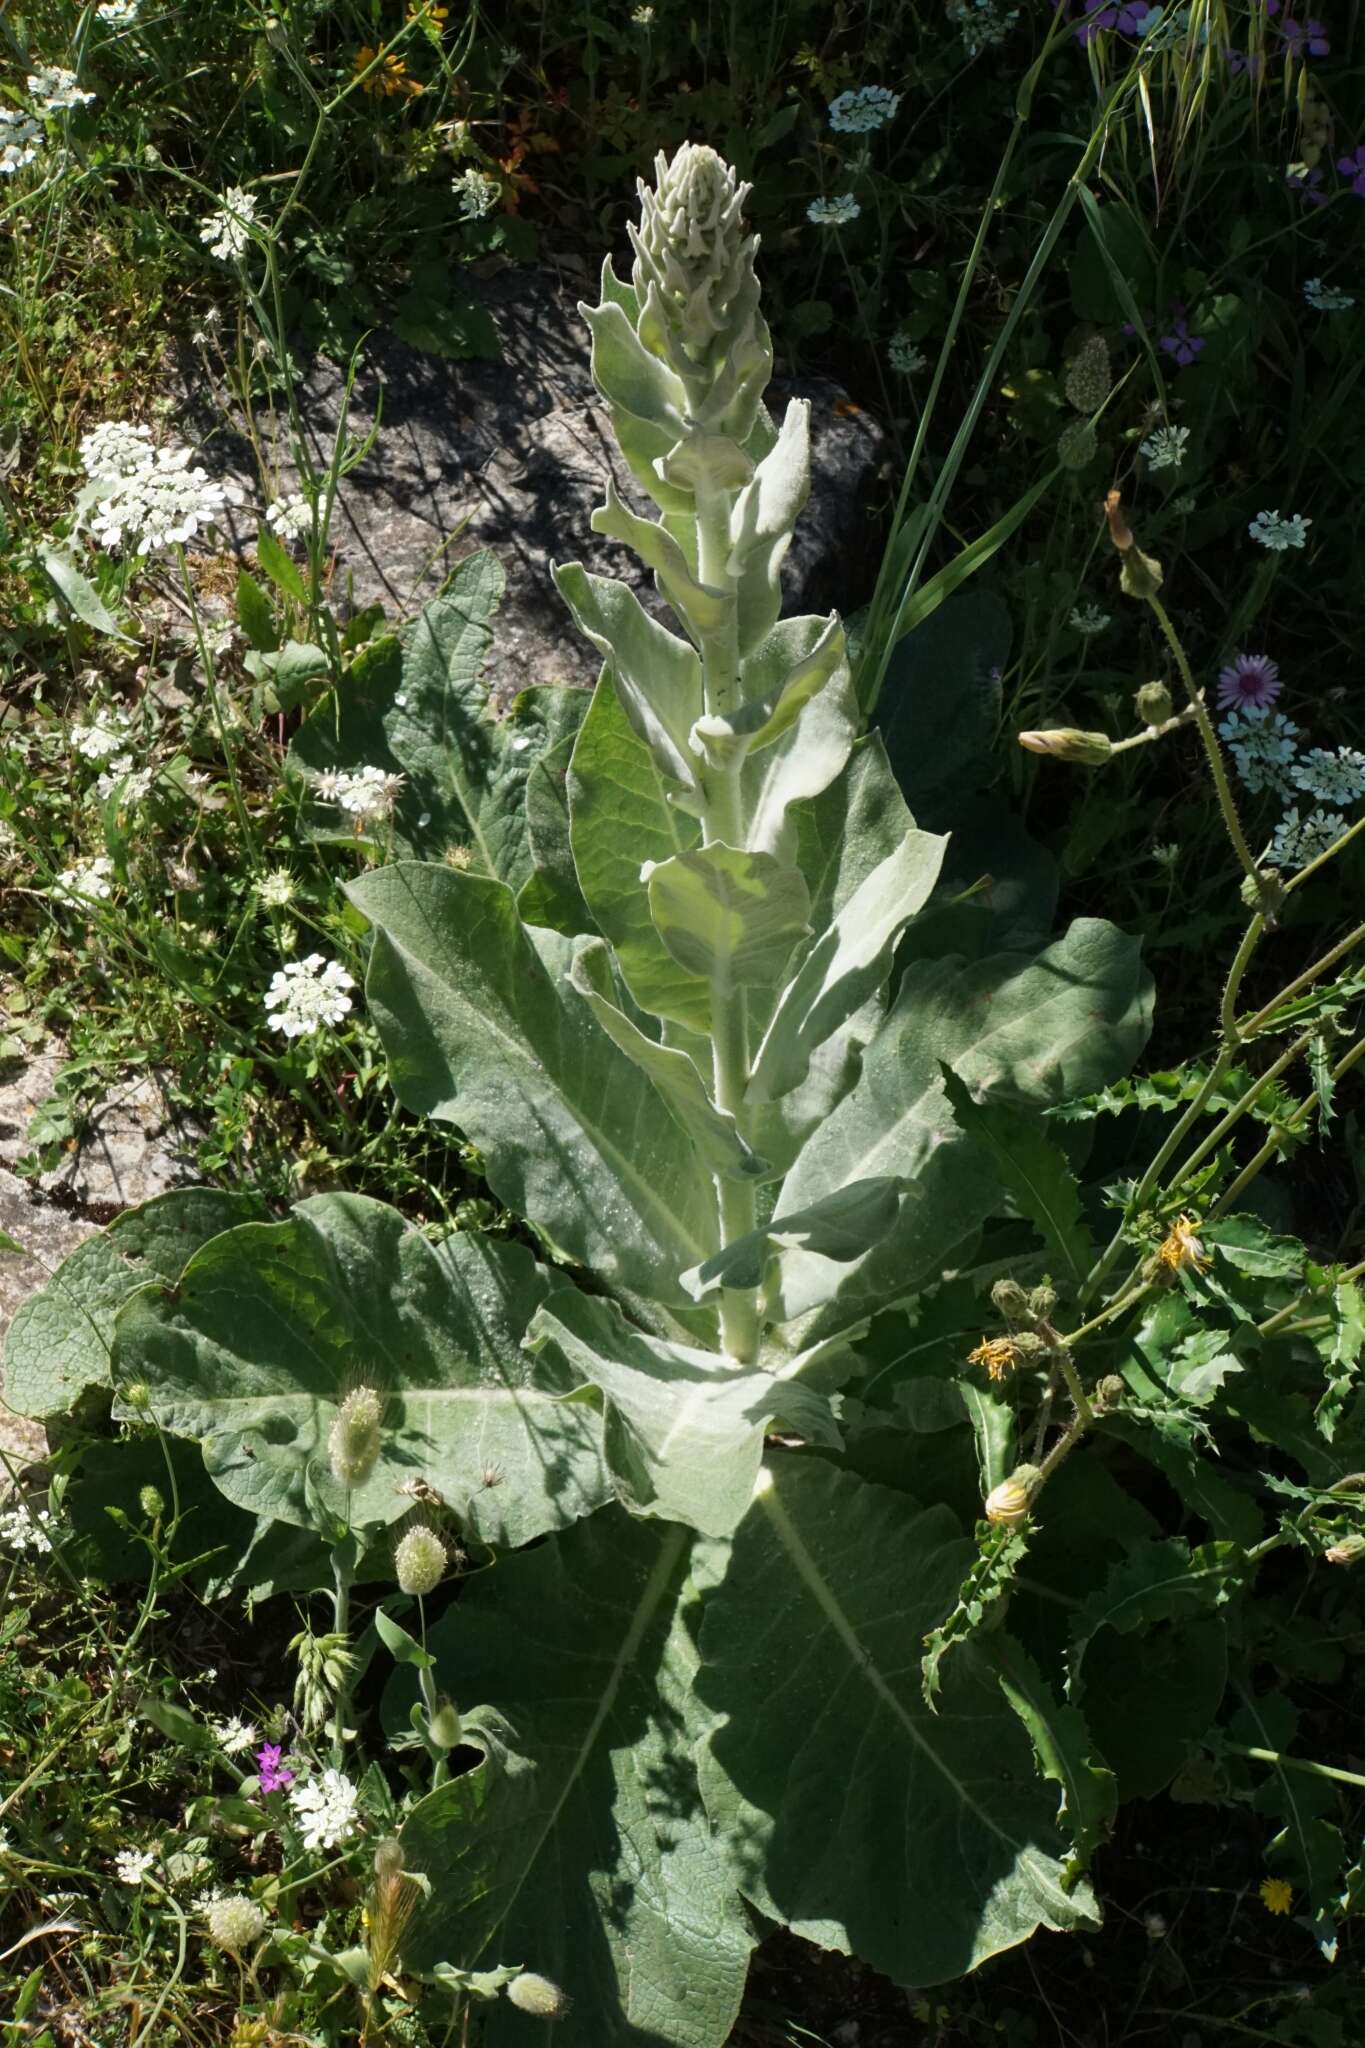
[(550, 895), (658, 550), (1035, 1173), (729, 916), (932, 1846), (684, 1434), (657, 675), (272, 1324), (797, 1260), (765, 513), (482, 1031), (583, 1851)]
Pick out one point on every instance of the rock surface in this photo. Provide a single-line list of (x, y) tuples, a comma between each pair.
[(514, 455)]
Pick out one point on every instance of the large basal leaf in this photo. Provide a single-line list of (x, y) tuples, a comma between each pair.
[(684, 1436), (921, 1841), (60, 1341), (797, 1261), (1027, 1032), (272, 1324), (940, 701), (579, 1847), (483, 1030)]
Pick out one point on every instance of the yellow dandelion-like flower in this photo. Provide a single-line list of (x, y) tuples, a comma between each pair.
[(390, 77), (1276, 1895), (999, 1355), (438, 16), (1181, 1247)]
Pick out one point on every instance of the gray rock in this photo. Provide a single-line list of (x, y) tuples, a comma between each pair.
[(514, 455), (131, 1145), (47, 1235)]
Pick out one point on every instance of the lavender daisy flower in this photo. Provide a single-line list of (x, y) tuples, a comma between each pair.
[(1180, 343), (1353, 167), (1304, 39), (1248, 679)]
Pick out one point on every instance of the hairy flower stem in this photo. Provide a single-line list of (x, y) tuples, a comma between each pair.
[(1223, 788), (341, 1619)]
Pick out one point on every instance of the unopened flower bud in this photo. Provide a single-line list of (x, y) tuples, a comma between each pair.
[(1011, 1300), (1110, 1391), (1153, 704), (1349, 1551), (137, 1396), (1088, 379), (1029, 1344), (151, 1503), (1007, 1505), (1139, 575), (1067, 743), (1042, 1302), (235, 1924), (538, 1996), (1076, 444), (353, 1440), (445, 1727), (420, 1561), (1265, 894), (690, 245)]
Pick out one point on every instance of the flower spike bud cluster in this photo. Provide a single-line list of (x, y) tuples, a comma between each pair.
[(694, 266)]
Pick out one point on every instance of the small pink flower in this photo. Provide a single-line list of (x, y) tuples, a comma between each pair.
[(272, 1772), (1249, 679)]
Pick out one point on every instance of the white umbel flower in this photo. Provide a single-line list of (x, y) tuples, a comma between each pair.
[(161, 505), (833, 213), (56, 91), (1333, 778), (905, 359), (21, 139), (132, 1865), (363, 793), (1300, 840), (477, 191), (88, 882), (1280, 534), (118, 13), (1264, 744), (115, 449), (102, 739), (307, 994), (1165, 449), (324, 1809), (27, 1529), (1325, 298), (1088, 619), (228, 232), (290, 518), (235, 1735), (860, 111)]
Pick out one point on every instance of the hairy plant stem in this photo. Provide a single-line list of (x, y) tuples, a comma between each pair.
[(1293, 1763), (722, 823), (341, 1622), (1227, 803)]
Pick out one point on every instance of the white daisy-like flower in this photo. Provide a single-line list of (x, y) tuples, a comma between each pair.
[(1280, 534), (56, 91), (1333, 778), (1300, 840), (88, 882), (21, 140), (860, 111), (291, 518), (27, 1529), (235, 1735), (1165, 449), (118, 13), (97, 742), (132, 1865), (477, 191), (122, 774), (324, 1808), (307, 994), (363, 793), (904, 357), (163, 504), (1088, 619), (1263, 744), (833, 213), (115, 449), (1325, 298), (228, 232)]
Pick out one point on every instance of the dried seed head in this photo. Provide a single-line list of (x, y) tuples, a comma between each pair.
[(1088, 378), (353, 1440), (234, 1923), (537, 1995), (1011, 1300), (420, 1561)]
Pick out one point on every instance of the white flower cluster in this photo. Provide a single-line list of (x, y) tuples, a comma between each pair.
[(859, 112), (981, 23), (228, 232), (477, 191), (56, 91), (162, 503), (833, 213), (1263, 746), (291, 518), (118, 13), (1325, 298), (115, 449), (21, 139), (363, 793), (1165, 449), (105, 737), (88, 882), (1298, 841), (324, 1809), (132, 1865), (308, 994), (235, 1735), (1333, 778), (1279, 534), (26, 1528), (1087, 619), (904, 357)]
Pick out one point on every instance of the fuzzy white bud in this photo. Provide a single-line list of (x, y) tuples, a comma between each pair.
[(234, 1923), (420, 1561), (353, 1440), (538, 1996)]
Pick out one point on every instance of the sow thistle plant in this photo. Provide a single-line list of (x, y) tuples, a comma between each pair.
[(773, 1091)]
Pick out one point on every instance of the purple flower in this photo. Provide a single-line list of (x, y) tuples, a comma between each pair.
[(1180, 343), (272, 1772), (1353, 167), (1249, 679), (1304, 39), (1127, 17), (1305, 184), (1244, 63)]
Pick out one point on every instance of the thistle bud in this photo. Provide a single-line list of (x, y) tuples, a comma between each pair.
[(1007, 1505), (151, 1503), (1089, 380), (1110, 1392), (538, 1996), (420, 1561), (1066, 743), (445, 1727), (234, 1924), (1011, 1300), (1349, 1551), (353, 1439), (690, 247), (1153, 704), (1042, 1302), (1265, 894), (1076, 444)]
